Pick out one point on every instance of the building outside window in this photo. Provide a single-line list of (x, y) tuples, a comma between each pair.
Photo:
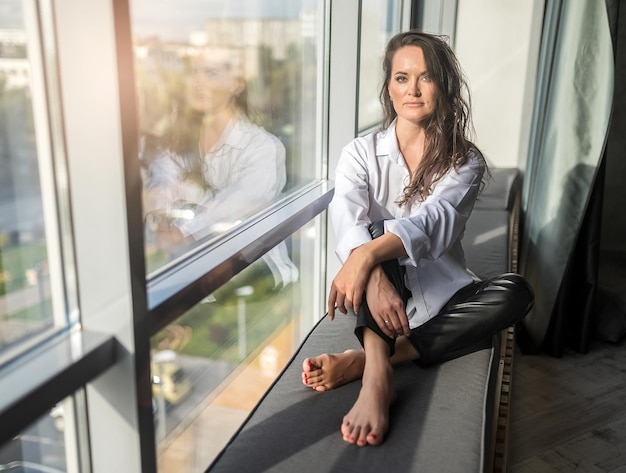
[(35, 301)]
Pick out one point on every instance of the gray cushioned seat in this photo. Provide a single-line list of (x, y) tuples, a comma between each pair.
[(486, 242), (500, 191), (443, 420), (438, 423)]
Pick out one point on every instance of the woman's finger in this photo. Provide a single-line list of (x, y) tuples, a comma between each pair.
[(394, 326), (404, 324), (332, 295), (340, 300), (386, 326), (355, 301)]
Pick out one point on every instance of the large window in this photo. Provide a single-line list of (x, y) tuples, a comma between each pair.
[(212, 365), (227, 103), (37, 296), (230, 143), (25, 301), (380, 20)]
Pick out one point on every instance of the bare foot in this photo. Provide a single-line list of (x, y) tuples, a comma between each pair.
[(368, 420), (326, 372)]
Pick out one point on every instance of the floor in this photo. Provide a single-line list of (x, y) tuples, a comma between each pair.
[(569, 414)]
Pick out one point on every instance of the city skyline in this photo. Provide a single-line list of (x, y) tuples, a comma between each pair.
[(157, 18), (175, 19)]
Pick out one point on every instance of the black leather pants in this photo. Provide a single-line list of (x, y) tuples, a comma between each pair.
[(466, 323)]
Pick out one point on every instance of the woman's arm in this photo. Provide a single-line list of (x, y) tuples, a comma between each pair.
[(386, 305), (361, 273), (438, 222), (349, 284)]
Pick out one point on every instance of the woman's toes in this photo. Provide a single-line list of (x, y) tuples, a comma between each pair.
[(374, 439)]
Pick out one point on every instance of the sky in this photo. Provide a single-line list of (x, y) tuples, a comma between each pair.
[(167, 18), (11, 14)]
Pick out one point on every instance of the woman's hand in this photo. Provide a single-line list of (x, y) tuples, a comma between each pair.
[(346, 290), (386, 305)]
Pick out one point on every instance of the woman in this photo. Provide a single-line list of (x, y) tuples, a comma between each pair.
[(213, 167), (211, 159), (402, 197)]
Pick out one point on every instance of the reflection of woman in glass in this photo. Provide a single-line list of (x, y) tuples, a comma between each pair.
[(212, 167)]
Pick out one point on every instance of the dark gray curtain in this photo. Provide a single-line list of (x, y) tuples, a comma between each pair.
[(563, 184), (609, 322), (591, 302)]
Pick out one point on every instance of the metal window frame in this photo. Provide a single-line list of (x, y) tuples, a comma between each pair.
[(178, 290)]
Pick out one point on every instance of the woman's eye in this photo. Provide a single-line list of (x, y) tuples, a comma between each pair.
[(400, 79), (209, 72), (426, 78)]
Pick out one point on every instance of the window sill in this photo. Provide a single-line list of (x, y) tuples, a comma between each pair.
[(175, 291)]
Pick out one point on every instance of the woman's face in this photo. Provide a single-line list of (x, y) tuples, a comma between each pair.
[(411, 89), (212, 86)]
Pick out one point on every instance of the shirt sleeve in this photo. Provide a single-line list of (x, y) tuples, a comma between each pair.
[(438, 222), (161, 184), (350, 204)]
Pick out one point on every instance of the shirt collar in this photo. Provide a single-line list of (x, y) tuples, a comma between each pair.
[(387, 144), (232, 135), (235, 135)]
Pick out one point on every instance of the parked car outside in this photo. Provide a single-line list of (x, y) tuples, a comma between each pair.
[(168, 377)]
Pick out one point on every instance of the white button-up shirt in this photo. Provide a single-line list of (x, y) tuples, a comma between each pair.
[(370, 178), (245, 170)]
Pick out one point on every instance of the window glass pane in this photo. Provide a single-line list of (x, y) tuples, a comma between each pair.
[(40, 447), (227, 101), (213, 364), (380, 20), (25, 303)]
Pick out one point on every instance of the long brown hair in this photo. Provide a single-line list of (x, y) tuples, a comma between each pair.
[(449, 128)]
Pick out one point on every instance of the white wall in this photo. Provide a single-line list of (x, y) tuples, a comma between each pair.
[(497, 43)]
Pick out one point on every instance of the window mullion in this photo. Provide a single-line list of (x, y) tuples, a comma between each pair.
[(88, 74)]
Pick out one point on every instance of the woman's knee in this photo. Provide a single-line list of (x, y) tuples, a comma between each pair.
[(517, 290)]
